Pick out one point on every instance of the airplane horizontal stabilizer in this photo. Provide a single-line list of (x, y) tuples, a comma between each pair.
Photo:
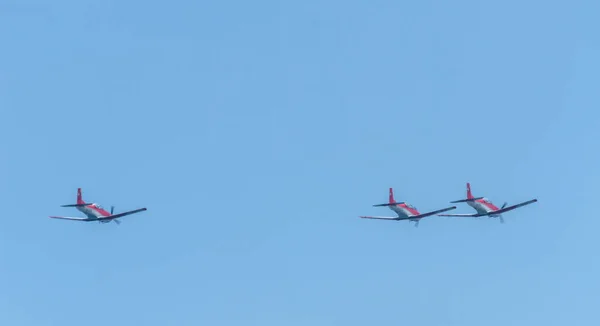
[(389, 204), (76, 205), (466, 200)]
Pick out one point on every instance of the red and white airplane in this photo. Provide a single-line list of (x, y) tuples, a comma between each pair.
[(405, 211), (95, 212), (484, 206)]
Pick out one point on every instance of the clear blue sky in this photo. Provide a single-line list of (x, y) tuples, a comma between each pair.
[(256, 133)]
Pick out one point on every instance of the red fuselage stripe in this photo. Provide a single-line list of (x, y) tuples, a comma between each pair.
[(488, 205)]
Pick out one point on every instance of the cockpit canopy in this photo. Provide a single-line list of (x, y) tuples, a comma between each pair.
[(410, 206)]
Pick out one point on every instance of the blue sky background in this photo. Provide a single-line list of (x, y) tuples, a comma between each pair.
[(256, 132)]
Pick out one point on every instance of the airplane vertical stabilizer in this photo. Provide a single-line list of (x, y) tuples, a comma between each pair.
[(79, 197), (469, 194)]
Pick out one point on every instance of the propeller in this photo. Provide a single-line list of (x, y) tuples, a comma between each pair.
[(112, 209), (502, 218)]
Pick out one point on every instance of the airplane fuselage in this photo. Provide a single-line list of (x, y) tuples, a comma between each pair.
[(483, 206), (93, 212), (405, 211)]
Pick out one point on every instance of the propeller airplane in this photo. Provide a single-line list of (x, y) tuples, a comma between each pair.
[(484, 206), (95, 212), (405, 211)]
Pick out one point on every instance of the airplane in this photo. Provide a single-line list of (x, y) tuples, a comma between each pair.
[(405, 211), (95, 212), (484, 206)]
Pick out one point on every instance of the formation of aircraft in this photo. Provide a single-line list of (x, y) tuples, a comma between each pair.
[(482, 205), (403, 210), (95, 212)]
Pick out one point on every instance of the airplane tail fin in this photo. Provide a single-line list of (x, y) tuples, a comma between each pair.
[(391, 201), (79, 197), (80, 201), (469, 196)]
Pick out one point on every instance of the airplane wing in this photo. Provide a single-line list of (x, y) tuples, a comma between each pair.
[(83, 219), (434, 212), (510, 208), (110, 217), (397, 218), (389, 218), (462, 215)]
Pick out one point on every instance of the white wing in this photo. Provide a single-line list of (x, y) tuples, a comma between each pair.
[(71, 218), (382, 218), (461, 215)]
